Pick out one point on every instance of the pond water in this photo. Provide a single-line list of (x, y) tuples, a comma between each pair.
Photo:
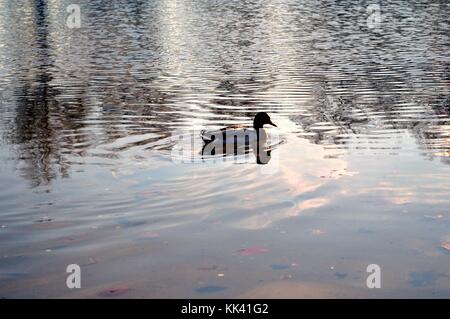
[(90, 118)]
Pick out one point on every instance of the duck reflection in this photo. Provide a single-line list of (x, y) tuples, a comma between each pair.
[(260, 149)]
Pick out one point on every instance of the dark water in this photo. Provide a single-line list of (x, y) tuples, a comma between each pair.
[(88, 174)]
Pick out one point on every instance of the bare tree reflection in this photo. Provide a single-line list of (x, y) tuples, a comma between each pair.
[(32, 129), (135, 73)]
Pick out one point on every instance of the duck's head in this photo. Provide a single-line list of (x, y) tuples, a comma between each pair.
[(262, 118)]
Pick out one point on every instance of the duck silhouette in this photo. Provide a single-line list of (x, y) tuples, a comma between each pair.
[(239, 139)]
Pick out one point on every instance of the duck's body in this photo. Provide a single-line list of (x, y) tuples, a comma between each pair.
[(234, 134), (240, 135)]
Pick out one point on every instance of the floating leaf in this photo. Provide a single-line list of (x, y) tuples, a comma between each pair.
[(446, 245), (434, 217), (340, 275), (93, 261), (114, 291), (212, 267), (423, 279), (149, 235), (279, 266), (124, 222), (317, 232), (210, 289), (12, 275), (44, 220), (365, 231), (251, 251)]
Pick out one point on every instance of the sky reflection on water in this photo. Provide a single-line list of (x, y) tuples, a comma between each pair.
[(87, 126)]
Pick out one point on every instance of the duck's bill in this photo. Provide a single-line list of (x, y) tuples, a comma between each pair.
[(273, 124)]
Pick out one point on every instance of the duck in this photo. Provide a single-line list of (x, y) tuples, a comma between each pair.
[(238, 139), (239, 134)]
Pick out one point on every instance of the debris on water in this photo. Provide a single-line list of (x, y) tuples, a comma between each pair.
[(279, 266), (332, 268), (289, 204), (446, 245), (149, 235), (69, 239), (424, 279), (220, 275), (317, 232), (93, 261), (4, 226), (365, 231), (340, 275), (44, 219), (212, 267), (48, 250), (114, 291), (285, 277), (210, 289), (152, 193), (251, 251), (434, 217), (124, 222), (12, 275)]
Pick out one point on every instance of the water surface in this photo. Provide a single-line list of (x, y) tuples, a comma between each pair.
[(90, 118)]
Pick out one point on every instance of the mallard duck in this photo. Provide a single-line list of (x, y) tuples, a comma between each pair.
[(239, 134), (238, 140)]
